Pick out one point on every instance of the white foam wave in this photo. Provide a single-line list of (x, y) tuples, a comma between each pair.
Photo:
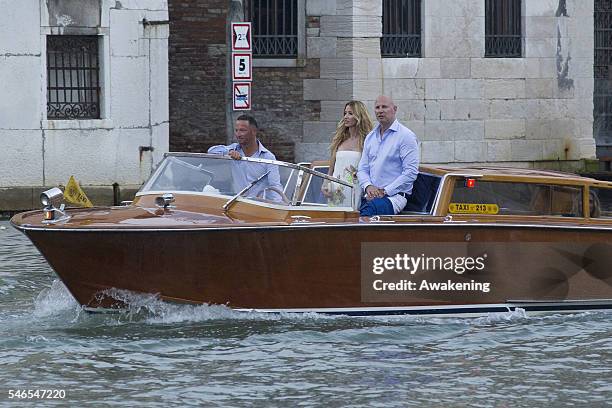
[(54, 300), (151, 309), (154, 310), (489, 318), (502, 317), (36, 339)]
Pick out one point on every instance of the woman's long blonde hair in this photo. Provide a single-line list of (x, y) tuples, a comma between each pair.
[(364, 126)]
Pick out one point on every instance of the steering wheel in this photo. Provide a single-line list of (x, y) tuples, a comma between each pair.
[(278, 191)]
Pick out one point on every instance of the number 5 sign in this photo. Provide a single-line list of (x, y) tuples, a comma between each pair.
[(241, 67)]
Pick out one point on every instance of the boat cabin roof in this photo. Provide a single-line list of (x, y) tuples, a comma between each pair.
[(510, 172), (498, 172)]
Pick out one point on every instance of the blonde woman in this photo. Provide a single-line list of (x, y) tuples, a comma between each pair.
[(346, 147)]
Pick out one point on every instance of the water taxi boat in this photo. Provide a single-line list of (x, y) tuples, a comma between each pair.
[(470, 241)]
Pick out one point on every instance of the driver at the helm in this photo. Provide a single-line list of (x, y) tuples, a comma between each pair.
[(245, 131)]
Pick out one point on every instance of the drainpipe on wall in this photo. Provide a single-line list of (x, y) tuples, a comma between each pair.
[(235, 13)]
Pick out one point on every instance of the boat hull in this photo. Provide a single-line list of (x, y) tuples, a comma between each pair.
[(324, 269)]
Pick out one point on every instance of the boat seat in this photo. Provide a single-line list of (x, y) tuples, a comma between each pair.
[(424, 191)]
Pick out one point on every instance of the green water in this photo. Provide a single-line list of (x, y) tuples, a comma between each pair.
[(158, 354)]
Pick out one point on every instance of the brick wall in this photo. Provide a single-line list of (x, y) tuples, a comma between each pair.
[(279, 106), (197, 60), (197, 63)]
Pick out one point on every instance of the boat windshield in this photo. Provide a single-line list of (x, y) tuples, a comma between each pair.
[(257, 179)]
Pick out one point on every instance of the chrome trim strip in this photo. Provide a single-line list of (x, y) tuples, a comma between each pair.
[(295, 201), (449, 310), (310, 206), (434, 205), (192, 193), (375, 308), (288, 180), (328, 225), (564, 301), (473, 310)]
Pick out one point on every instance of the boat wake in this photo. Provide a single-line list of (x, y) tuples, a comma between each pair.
[(509, 316), (54, 300), (150, 308)]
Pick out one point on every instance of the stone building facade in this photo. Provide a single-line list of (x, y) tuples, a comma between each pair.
[(49, 130), (532, 111)]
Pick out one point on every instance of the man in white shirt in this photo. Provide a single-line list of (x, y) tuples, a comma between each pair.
[(245, 131), (389, 163)]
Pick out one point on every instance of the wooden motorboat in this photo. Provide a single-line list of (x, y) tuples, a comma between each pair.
[(471, 240)]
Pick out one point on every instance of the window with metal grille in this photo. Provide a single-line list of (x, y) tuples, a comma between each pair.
[(602, 95), (275, 30), (401, 28), (73, 90), (503, 28)]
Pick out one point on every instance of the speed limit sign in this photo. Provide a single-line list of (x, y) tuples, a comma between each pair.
[(241, 66)]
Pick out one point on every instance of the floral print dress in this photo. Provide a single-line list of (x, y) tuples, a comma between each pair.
[(345, 169)]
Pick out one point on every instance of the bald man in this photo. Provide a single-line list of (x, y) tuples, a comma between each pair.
[(389, 163)]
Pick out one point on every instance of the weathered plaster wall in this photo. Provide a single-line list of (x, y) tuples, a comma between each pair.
[(134, 101), (20, 94)]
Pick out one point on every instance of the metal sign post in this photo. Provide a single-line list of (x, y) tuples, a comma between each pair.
[(242, 65)]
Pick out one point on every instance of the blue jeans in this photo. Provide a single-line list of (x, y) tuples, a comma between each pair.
[(377, 206)]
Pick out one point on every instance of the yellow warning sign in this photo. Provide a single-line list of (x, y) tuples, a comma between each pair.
[(467, 208), (75, 195)]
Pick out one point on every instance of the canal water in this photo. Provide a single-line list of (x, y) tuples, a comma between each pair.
[(157, 354)]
